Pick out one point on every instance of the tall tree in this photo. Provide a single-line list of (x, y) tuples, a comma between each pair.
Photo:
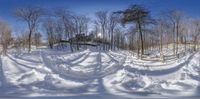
[(70, 24), (31, 15), (162, 30), (49, 26), (113, 21), (101, 21), (37, 38), (175, 17), (140, 16), (81, 27), (196, 33), (5, 35)]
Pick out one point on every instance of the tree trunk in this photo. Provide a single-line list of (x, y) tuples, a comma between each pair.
[(77, 45), (177, 36), (185, 42), (29, 41), (141, 38), (174, 26), (161, 47), (51, 45), (71, 46)]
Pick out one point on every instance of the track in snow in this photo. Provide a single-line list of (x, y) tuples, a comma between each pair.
[(87, 70)]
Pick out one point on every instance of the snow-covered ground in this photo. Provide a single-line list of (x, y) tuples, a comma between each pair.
[(91, 73)]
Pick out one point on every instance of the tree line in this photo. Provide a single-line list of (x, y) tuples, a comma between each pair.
[(131, 29)]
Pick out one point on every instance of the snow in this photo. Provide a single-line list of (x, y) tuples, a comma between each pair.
[(92, 73)]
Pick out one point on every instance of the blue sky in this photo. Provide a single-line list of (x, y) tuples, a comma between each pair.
[(89, 7)]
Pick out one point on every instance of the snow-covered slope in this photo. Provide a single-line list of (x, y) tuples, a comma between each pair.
[(45, 72)]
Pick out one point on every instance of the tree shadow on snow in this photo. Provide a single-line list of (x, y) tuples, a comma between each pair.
[(159, 72), (2, 78)]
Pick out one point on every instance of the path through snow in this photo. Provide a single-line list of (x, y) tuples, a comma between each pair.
[(45, 72)]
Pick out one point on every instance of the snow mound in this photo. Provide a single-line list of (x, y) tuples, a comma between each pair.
[(130, 82), (30, 77)]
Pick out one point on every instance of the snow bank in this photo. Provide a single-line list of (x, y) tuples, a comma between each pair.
[(52, 71)]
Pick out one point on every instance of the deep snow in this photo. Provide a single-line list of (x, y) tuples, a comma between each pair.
[(101, 74)]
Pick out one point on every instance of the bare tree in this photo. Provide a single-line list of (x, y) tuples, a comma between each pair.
[(31, 16), (70, 24), (82, 24), (49, 26), (196, 33), (101, 21), (5, 35), (162, 29), (186, 27), (24, 39), (175, 17), (119, 38), (37, 39), (81, 27), (113, 21)]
